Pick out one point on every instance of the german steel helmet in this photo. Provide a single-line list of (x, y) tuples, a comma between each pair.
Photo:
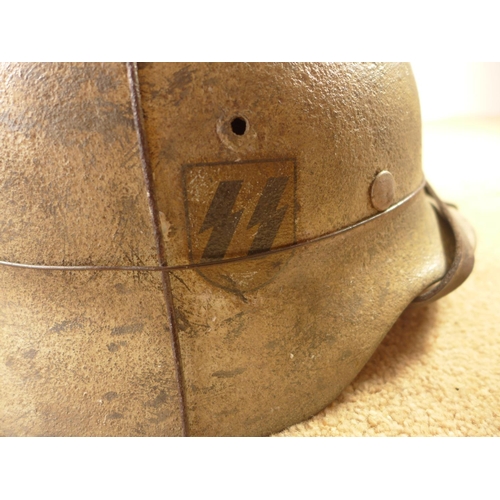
[(207, 249)]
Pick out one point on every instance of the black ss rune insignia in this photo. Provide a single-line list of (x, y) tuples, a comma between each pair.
[(240, 209)]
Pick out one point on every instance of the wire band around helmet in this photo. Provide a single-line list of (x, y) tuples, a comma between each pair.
[(196, 265)]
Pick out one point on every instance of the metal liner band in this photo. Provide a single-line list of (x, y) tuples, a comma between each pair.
[(224, 261)]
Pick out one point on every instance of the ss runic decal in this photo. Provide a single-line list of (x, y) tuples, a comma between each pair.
[(221, 218), (237, 209), (267, 216), (223, 221)]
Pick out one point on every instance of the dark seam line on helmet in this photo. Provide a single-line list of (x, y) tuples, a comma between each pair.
[(135, 96), (197, 265)]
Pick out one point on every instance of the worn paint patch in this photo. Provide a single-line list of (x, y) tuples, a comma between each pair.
[(158, 401), (109, 396), (30, 353), (166, 226), (229, 373), (126, 329), (114, 416), (65, 325), (114, 346)]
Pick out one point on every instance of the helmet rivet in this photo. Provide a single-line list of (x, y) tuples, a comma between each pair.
[(382, 190)]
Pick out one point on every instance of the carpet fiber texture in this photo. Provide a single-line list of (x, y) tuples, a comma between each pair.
[(437, 372)]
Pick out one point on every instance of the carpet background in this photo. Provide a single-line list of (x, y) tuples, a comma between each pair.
[(437, 372)]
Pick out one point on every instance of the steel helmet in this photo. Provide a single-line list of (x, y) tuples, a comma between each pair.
[(207, 249)]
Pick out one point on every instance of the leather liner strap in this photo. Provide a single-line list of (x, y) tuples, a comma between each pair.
[(462, 261)]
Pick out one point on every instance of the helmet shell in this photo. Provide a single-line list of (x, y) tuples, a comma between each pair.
[(219, 161)]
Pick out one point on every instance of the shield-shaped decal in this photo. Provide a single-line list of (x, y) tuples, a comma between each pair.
[(236, 210)]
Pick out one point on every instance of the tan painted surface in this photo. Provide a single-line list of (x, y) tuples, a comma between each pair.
[(71, 181), (264, 343), (85, 354), (437, 372)]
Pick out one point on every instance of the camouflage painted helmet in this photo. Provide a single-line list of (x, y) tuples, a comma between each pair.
[(207, 249)]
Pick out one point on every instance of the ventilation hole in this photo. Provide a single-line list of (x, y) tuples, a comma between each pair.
[(239, 126)]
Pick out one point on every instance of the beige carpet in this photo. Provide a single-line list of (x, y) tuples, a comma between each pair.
[(437, 372)]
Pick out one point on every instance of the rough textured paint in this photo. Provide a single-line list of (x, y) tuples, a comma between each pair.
[(264, 343)]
